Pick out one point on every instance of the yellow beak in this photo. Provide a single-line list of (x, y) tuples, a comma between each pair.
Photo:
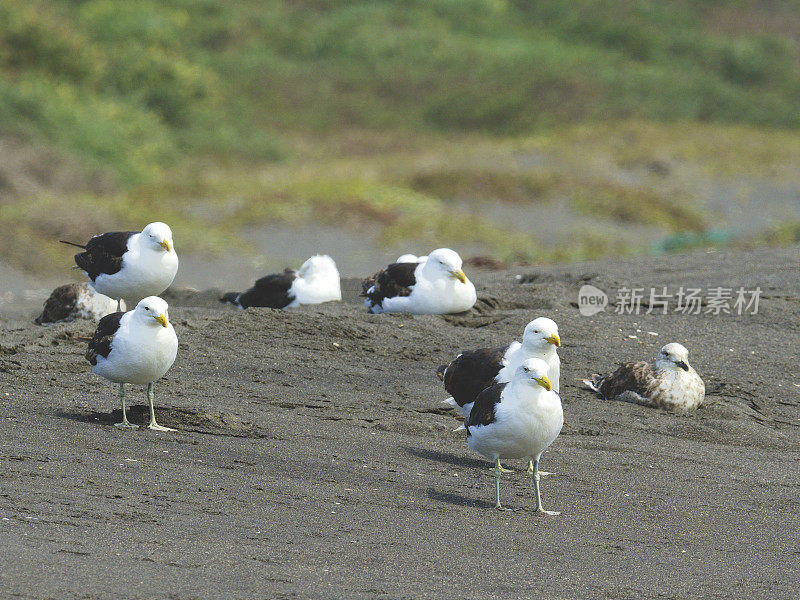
[(545, 383), (553, 339), (165, 245), (459, 274), (162, 319)]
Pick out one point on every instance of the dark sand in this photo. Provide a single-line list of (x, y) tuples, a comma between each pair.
[(314, 459)]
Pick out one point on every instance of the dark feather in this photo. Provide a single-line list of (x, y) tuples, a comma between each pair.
[(472, 372), (394, 281), (60, 304), (482, 412), (103, 254), (271, 291), (100, 345), (635, 377)]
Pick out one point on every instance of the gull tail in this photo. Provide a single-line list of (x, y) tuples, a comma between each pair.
[(594, 382), (72, 244), (231, 298)]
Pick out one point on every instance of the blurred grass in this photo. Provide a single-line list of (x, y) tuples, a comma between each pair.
[(139, 85), (400, 116)]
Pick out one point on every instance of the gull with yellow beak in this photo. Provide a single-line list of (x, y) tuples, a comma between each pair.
[(436, 286), (518, 419), (474, 370), (128, 264), (136, 347)]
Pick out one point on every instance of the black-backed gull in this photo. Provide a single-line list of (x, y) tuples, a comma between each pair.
[(136, 347), (669, 383), (436, 286), (315, 282), (129, 264), (518, 419)]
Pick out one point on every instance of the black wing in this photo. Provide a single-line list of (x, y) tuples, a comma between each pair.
[(472, 372), (395, 280), (271, 291), (60, 304), (635, 377), (482, 412), (103, 253), (100, 344)]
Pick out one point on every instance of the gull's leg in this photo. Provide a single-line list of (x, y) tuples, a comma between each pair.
[(538, 495), (119, 304), (153, 424), (125, 422), (498, 470), (531, 469), (502, 469)]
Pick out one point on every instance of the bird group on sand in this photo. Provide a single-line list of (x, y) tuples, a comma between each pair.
[(507, 396)]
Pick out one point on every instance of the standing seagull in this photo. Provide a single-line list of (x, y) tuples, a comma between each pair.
[(436, 286), (671, 383), (472, 371), (316, 282), (129, 265), (518, 419), (136, 347)]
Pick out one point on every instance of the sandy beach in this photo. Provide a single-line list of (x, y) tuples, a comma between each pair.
[(314, 458)]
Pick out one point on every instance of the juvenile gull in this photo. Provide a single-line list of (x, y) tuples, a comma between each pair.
[(436, 286), (135, 347), (315, 282), (518, 419), (76, 301), (129, 264), (670, 383)]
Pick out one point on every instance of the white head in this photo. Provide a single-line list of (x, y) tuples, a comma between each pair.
[(541, 334), (320, 265), (159, 236), (445, 262), (152, 311), (673, 356), (534, 372)]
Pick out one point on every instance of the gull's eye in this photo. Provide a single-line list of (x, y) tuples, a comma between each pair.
[(535, 331), (147, 308)]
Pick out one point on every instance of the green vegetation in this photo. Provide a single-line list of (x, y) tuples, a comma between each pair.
[(394, 113)]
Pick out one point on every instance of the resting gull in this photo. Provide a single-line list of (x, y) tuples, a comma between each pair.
[(76, 301), (315, 282), (436, 286), (670, 383)]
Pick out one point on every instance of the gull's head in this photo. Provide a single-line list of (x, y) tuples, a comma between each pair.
[(159, 235), (320, 265), (673, 356), (541, 334), (152, 311), (534, 372), (445, 262)]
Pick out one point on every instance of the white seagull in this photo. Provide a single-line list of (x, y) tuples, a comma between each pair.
[(518, 419), (316, 281), (136, 347), (129, 264), (472, 371), (670, 383), (436, 286)]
